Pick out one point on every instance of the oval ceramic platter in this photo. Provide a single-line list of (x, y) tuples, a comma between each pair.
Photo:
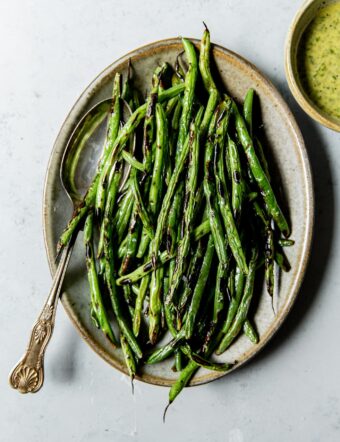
[(288, 151)]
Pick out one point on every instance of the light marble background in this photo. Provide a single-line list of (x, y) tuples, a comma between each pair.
[(50, 50)]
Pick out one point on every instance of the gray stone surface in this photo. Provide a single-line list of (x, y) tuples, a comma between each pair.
[(49, 52)]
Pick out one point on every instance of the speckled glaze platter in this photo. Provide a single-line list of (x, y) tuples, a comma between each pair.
[(290, 157)]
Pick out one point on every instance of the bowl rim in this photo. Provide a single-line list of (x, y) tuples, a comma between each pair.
[(310, 215), (296, 90)]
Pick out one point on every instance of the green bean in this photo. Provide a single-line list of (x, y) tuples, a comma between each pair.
[(248, 110), (166, 283), (127, 85), (143, 270), (178, 359), (128, 357), (243, 308), (129, 299), (202, 362), (109, 278), (223, 197), (192, 274), (286, 242), (169, 309), (252, 196), (171, 106), (98, 310), (235, 300), (250, 332), (122, 247), (164, 352), (171, 109), (282, 261), (161, 143), (148, 147), (204, 62), (109, 205), (260, 213), (132, 242), (122, 217), (148, 129), (168, 196), (115, 117), (210, 192), (135, 101), (202, 230), (184, 377), (272, 206), (155, 304), (233, 282), (175, 126), (205, 329), (174, 213), (237, 182), (269, 252), (144, 286), (130, 159), (113, 128), (188, 99), (262, 158), (248, 116), (161, 153), (143, 213), (220, 292), (166, 279), (170, 318), (75, 223), (135, 290), (190, 191), (188, 372), (199, 202), (199, 289), (143, 245), (123, 325), (209, 84)]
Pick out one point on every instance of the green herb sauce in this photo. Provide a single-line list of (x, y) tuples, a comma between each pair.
[(319, 60)]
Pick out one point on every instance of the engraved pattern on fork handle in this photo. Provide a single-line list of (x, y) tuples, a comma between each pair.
[(28, 374)]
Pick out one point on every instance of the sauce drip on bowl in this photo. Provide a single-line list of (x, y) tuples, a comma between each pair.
[(318, 60)]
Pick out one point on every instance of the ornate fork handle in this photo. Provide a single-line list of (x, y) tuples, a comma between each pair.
[(28, 375)]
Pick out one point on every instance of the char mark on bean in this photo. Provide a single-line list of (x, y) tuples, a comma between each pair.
[(223, 285), (147, 267), (237, 177), (152, 104), (210, 173)]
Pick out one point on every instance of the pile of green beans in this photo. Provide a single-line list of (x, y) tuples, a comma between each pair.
[(181, 246)]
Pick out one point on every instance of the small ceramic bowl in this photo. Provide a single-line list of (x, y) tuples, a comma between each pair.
[(302, 19)]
